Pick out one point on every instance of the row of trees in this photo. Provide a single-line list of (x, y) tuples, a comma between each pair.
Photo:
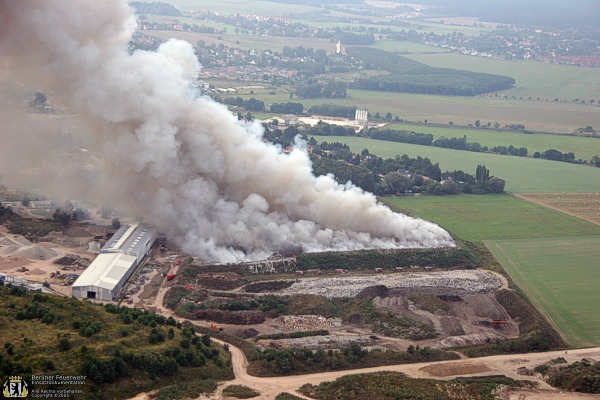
[(426, 139), (287, 108), (333, 110), (447, 83), (271, 362), (391, 176), (399, 175), (326, 89), (250, 104)]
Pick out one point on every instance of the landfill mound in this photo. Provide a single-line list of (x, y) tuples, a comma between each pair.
[(373, 291), (476, 281)]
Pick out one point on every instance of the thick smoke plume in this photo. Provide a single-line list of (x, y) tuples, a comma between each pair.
[(184, 162)]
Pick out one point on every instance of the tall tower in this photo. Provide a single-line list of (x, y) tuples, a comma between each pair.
[(338, 47)]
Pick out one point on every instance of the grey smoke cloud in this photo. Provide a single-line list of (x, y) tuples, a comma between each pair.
[(185, 162)]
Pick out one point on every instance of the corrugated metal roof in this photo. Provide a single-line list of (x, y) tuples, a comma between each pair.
[(106, 271), (130, 239)]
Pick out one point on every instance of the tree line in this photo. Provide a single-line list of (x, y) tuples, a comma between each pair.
[(392, 176), (426, 139), (327, 89), (333, 110), (410, 76), (397, 176), (250, 104), (272, 362)]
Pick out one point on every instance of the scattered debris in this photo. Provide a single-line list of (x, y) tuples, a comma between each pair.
[(349, 286), (306, 322)]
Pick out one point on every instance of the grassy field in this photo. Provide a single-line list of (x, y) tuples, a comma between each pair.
[(522, 175), (534, 79), (492, 217), (561, 276), (534, 115), (583, 147)]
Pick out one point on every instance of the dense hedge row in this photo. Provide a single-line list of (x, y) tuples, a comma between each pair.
[(387, 385), (440, 258), (273, 362)]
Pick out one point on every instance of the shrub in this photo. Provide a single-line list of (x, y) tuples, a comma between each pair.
[(240, 392)]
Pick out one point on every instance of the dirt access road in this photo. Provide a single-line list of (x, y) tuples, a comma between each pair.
[(507, 365), (503, 364)]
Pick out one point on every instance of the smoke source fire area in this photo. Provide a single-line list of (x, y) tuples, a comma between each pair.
[(180, 159)]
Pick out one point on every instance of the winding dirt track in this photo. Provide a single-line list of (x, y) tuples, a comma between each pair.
[(507, 365), (503, 364)]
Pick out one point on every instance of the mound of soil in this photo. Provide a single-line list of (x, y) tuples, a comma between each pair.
[(35, 252), (22, 241), (468, 340), (452, 369), (373, 291), (37, 271), (486, 307), (452, 326), (7, 242)]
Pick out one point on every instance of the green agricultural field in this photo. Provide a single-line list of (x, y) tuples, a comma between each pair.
[(492, 217), (561, 276), (534, 79), (583, 147), (522, 175)]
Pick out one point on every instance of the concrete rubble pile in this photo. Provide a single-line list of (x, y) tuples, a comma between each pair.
[(319, 342), (306, 322)]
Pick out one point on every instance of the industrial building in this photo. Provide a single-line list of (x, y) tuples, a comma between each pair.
[(116, 262)]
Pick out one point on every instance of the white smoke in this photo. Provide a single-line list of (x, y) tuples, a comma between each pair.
[(185, 162)]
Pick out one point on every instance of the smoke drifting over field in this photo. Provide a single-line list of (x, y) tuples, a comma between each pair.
[(184, 162)]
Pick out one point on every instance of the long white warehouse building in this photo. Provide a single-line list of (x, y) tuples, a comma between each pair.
[(117, 260)]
